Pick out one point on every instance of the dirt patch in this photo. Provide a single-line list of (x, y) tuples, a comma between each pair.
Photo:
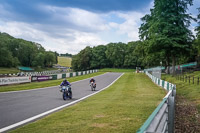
[(99, 116), (100, 125), (187, 117)]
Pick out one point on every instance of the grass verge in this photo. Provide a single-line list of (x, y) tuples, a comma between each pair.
[(116, 70), (188, 91), (4, 70), (123, 107), (34, 85), (64, 61)]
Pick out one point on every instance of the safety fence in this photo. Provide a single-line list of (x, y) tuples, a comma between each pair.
[(188, 78), (36, 73), (162, 118), (24, 79)]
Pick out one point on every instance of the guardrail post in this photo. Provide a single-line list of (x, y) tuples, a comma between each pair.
[(171, 114)]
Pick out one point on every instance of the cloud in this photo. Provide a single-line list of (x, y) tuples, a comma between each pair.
[(71, 42), (74, 18), (69, 30), (131, 25)]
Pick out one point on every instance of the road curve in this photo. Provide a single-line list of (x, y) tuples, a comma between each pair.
[(21, 105)]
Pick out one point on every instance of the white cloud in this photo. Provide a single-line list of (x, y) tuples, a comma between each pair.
[(131, 25), (69, 30), (76, 18), (62, 45)]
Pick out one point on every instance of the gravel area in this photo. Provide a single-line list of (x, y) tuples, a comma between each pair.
[(187, 118)]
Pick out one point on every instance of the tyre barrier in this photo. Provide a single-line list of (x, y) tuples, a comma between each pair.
[(162, 118)]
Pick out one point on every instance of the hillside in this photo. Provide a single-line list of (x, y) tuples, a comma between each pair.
[(64, 61), (18, 52)]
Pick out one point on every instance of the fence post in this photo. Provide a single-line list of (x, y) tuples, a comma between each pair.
[(193, 80), (186, 78), (189, 79)]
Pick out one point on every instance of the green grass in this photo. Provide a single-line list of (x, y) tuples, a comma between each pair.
[(4, 70), (189, 91), (34, 85), (122, 108), (64, 61), (116, 70)]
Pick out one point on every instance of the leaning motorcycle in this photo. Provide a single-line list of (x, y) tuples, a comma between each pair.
[(92, 84), (67, 93)]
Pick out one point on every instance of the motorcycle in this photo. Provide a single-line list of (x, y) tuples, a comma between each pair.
[(93, 86), (67, 93)]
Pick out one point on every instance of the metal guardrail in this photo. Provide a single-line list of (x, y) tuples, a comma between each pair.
[(162, 119)]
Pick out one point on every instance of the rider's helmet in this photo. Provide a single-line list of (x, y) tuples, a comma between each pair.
[(65, 80)]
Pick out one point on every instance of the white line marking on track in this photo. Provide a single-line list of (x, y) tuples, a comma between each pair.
[(53, 110)]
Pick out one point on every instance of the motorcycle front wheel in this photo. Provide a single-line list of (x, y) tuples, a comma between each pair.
[(64, 96)]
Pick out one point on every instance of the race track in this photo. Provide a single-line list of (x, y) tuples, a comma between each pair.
[(18, 106)]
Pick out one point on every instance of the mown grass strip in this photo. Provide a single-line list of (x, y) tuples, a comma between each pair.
[(34, 85), (123, 107), (4, 70), (189, 91), (116, 70), (64, 61)]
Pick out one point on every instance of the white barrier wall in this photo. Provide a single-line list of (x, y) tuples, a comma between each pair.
[(59, 76), (14, 80), (74, 74), (67, 75), (79, 73)]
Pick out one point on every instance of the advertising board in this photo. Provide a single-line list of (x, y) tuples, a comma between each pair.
[(14, 80)]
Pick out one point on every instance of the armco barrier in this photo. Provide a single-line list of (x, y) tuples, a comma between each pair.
[(162, 119)]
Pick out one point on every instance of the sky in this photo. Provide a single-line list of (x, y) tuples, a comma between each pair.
[(68, 26)]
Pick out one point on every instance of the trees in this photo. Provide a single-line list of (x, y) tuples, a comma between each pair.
[(16, 52), (115, 53), (166, 29), (197, 41), (82, 61), (99, 59)]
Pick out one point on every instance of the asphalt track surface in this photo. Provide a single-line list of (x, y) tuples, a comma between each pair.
[(21, 105)]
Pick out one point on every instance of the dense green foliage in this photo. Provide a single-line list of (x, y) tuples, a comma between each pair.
[(166, 32), (16, 52), (112, 55)]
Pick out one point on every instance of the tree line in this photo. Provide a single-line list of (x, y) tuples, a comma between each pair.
[(112, 55), (66, 55), (165, 39), (18, 52)]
